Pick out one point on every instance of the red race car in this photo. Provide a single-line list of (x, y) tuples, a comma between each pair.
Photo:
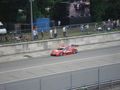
[(65, 50)]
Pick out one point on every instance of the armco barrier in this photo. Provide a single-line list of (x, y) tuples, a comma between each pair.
[(84, 42)]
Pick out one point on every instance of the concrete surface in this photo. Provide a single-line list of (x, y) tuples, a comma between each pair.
[(22, 56), (102, 64), (85, 42), (38, 61), (47, 70)]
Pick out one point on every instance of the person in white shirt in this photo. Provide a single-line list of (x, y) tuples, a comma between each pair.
[(59, 23), (64, 31), (55, 32), (51, 33), (35, 33)]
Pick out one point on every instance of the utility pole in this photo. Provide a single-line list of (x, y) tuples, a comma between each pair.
[(31, 14)]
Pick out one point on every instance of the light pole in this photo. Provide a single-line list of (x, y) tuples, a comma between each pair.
[(31, 14)]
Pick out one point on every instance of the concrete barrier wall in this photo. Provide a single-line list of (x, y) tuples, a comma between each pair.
[(67, 80), (31, 84), (84, 42), (84, 77), (109, 73), (56, 82), (2, 87)]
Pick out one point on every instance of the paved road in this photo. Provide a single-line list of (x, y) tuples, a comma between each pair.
[(6, 66)]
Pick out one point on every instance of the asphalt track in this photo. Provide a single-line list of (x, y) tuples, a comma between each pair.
[(31, 62)]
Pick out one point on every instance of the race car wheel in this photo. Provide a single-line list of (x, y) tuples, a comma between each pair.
[(61, 54), (75, 52)]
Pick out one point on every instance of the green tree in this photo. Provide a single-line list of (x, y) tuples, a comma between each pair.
[(98, 9), (113, 9), (41, 5), (105, 9)]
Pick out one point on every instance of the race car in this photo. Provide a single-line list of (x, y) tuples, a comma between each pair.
[(65, 50)]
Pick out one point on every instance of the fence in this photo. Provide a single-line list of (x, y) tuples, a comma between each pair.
[(22, 32)]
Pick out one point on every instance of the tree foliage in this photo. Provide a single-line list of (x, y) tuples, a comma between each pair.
[(100, 9), (105, 9)]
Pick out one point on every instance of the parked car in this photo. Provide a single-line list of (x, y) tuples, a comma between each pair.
[(64, 50), (3, 30)]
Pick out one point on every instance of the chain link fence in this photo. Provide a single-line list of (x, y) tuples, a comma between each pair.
[(23, 33)]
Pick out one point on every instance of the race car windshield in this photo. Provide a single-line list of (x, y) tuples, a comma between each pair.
[(1, 27), (60, 49)]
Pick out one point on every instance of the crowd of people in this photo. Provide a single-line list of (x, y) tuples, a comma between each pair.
[(104, 26), (52, 33), (109, 25), (63, 31), (79, 8)]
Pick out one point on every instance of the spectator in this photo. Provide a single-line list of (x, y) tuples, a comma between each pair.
[(114, 24), (17, 38), (87, 12), (42, 33), (6, 37), (59, 22), (35, 33), (82, 8), (118, 23), (51, 34), (95, 27), (82, 28), (99, 28), (55, 33), (18, 28), (87, 26), (104, 25), (109, 25), (64, 31)]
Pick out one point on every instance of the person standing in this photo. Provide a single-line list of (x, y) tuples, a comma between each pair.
[(59, 22), (81, 27), (118, 23), (55, 32), (35, 33), (51, 33), (64, 31), (42, 33)]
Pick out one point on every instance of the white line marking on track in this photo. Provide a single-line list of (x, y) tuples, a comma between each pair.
[(81, 60)]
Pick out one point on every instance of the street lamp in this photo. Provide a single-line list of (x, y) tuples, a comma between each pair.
[(31, 14)]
